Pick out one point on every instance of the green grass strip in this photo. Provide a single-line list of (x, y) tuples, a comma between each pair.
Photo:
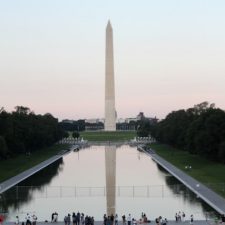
[(13, 166), (108, 135), (208, 172)]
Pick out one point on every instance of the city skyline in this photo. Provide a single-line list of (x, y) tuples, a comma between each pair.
[(168, 56)]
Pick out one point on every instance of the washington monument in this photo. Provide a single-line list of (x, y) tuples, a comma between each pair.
[(110, 112)]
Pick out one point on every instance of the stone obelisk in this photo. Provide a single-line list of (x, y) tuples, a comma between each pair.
[(110, 112)]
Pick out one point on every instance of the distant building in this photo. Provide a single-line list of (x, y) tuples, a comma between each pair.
[(132, 123), (68, 121), (128, 120), (91, 120), (102, 120), (98, 123), (94, 124), (72, 125), (140, 116), (120, 120)]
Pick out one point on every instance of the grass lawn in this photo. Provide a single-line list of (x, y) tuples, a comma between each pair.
[(20, 163), (108, 135), (210, 173)]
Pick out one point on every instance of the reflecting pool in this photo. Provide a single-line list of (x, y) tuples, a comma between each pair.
[(98, 180)]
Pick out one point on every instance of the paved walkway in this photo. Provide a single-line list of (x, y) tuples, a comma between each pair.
[(198, 222), (210, 197), (4, 186)]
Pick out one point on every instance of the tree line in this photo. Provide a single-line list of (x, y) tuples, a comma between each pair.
[(22, 131), (78, 125), (198, 130)]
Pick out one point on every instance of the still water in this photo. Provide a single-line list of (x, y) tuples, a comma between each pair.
[(102, 179)]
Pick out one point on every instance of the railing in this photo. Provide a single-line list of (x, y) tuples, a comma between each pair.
[(148, 191), (143, 140), (72, 141)]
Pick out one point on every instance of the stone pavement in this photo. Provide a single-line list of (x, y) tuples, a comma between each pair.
[(210, 197)]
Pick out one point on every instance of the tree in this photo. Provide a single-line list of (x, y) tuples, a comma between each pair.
[(23, 131), (144, 127), (75, 134), (200, 130), (3, 148), (221, 153), (22, 110), (2, 109), (203, 107)]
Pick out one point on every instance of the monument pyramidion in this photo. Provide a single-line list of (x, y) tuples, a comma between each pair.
[(110, 112)]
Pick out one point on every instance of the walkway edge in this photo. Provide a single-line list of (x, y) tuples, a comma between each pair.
[(197, 187), (4, 186)]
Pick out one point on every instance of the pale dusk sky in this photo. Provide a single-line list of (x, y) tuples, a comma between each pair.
[(168, 54)]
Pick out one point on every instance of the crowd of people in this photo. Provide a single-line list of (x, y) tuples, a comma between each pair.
[(180, 217), (81, 219), (78, 219), (133, 221), (30, 219), (129, 220), (160, 221)]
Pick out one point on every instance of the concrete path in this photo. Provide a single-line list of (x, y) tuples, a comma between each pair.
[(4, 186), (210, 197), (198, 222)]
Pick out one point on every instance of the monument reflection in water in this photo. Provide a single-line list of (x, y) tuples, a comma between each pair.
[(110, 172), (102, 180)]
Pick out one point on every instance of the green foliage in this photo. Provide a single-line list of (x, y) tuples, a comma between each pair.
[(221, 152), (3, 148), (15, 165), (75, 134), (144, 128), (199, 130), (78, 125), (22, 110), (66, 134), (23, 131)]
